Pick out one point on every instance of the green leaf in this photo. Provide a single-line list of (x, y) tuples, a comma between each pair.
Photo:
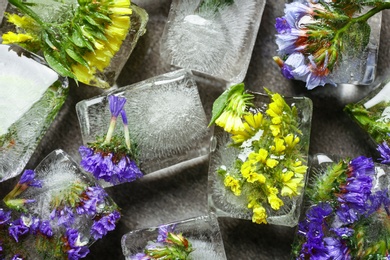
[(57, 66), (101, 16), (77, 57), (221, 102)]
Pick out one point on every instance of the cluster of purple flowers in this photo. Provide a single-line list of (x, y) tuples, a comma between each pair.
[(295, 39), (328, 226), (111, 162), (384, 151), (101, 226), (105, 166), (77, 247)]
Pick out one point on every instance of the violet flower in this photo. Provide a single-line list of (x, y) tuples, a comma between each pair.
[(163, 232), (64, 216), (5, 217), (384, 151), (17, 229), (28, 178), (45, 229), (103, 225), (78, 249)]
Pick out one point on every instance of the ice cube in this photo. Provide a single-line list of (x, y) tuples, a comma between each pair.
[(217, 43), (203, 233), (31, 95), (165, 117)]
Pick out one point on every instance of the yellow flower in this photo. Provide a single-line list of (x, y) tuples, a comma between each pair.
[(230, 121), (253, 177), (275, 202), (234, 185), (279, 147), (300, 169), (276, 120), (251, 126), (11, 37), (275, 129), (254, 120), (262, 155), (271, 163), (291, 141), (259, 215), (291, 186), (275, 108)]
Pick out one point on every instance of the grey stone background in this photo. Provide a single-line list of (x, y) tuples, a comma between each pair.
[(181, 193)]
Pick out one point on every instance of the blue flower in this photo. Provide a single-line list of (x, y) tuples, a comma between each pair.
[(65, 216), (163, 232), (140, 256), (362, 166), (336, 249), (45, 228), (103, 225), (28, 178), (17, 229), (78, 248), (343, 232), (116, 104), (17, 257), (5, 216), (107, 167), (93, 197), (282, 26), (384, 151)]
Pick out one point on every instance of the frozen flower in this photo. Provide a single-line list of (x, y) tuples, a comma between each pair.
[(284, 68), (17, 257), (111, 160), (5, 216), (76, 248), (91, 199), (45, 228), (163, 232), (103, 225), (28, 178), (384, 151), (17, 229), (64, 216), (282, 26), (336, 249)]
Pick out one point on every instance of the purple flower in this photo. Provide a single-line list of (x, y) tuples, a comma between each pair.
[(343, 232), (384, 151), (104, 167), (282, 25), (124, 117), (362, 165), (163, 232), (94, 197), (336, 249), (31, 222), (17, 257), (140, 256), (28, 178), (287, 42), (103, 225), (5, 217), (17, 229), (45, 228), (64, 215), (78, 248), (116, 104)]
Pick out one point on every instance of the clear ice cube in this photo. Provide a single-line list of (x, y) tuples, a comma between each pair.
[(222, 201), (165, 116), (31, 95), (203, 232), (217, 43)]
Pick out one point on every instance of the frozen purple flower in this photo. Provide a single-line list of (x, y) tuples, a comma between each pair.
[(116, 104), (384, 151), (163, 232), (140, 256), (343, 232), (287, 42), (65, 216), (28, 178), (45, 228), (31, 222), (362, 165), (5, 216), (17, 257), (104, 167), (336, 249), (94, 196), (17, 229), (78, 248), (103, 225)]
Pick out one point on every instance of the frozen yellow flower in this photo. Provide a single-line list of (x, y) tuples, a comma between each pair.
[(278, 146), (251, 125), (275, 108), (261, 156), (291, 187), (271, 163), (291, 141), (230, 121), (259, 215), (253, 177), (275, 129), (276, 120), (275, 202), (300, 169), (234, 185), (11, 37)]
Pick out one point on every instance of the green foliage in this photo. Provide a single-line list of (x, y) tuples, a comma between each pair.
[(356, 39), (214, 5)]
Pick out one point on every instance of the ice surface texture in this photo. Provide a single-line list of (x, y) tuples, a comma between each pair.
[(31, 95), (203, 232), (222, 201), (218, 43), (165, 115)]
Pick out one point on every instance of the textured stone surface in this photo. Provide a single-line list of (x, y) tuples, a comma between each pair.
[(181, 193)]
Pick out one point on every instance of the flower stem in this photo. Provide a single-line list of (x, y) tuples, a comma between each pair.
[(110, 131), (27, 11)]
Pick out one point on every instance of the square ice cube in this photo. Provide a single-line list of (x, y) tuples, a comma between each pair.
[(165, 116), (202, 232), (224, 156), (213, 42), (31, 95)]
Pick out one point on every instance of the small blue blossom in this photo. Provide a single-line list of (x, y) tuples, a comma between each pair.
[(282, 26), (140, 256), (336, 249), (103, 167), (78, 248), (17, 229), (94, 197), (65, 216), (362, 166), (5, 216), (28, 178), (163, 232), (116, 104), (17, 257), (103, 225), (384, 151), (45, 228)]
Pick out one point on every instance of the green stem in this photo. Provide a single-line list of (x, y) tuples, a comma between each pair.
[(127, 136), (110, 131), (27, 11)]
